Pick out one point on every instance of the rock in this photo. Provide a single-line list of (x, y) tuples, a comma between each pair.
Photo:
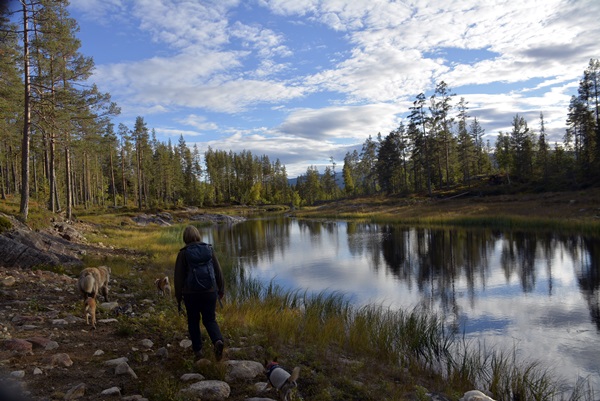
[(37, 371), (135, 397), (61, 360), (475, 395), (115, 362), (147, 343), (259, 399), (208, 390), (124, 369), (42, 342), (98, 352), (17, 374), (185, 343), (52, 345), (24, 248), (243, 370), (8, 281), (162, 353), (18, 345), (76, 392), (113, 391), (188, 377), (108, 306)]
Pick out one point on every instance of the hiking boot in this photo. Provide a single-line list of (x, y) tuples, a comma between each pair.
[(219, 349), (198, 355)]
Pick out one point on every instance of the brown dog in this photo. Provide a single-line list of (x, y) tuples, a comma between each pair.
[(163, 286), (93, 280), (90, 311)]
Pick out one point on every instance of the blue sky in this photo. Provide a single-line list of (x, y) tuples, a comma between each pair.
[(307, 80)]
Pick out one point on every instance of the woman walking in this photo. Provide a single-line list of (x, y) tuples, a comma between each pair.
[(199, 283)]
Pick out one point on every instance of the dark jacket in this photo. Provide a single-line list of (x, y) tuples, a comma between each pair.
[(188, 254)]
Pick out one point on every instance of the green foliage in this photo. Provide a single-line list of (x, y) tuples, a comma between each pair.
[(126, 327), (5, 224)]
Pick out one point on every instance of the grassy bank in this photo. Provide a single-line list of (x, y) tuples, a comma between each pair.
[(346, 353)]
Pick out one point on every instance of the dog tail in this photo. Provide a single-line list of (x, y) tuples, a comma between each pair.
[(87, 285), (295, 375)]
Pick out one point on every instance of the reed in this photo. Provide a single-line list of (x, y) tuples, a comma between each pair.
[(318, 324)]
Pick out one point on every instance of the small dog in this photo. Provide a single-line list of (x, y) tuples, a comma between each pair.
[(93, 280), (163, 286), (90, 311), (280, 379)]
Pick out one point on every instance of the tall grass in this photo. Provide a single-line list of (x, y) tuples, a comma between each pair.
[(404, 339)]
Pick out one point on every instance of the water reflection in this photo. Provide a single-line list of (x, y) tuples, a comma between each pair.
[(539, 291)]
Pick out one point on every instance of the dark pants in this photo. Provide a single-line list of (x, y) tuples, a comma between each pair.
[(202, 305)]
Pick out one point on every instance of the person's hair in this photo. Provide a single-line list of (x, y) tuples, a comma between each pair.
[(191, 234)]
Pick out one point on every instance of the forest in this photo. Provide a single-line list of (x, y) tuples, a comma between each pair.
[(60, 148)]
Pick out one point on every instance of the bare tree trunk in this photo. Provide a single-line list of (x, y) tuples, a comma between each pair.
[(112, 180), (123, 176), (24, 210), (52, 175), (68, 183)]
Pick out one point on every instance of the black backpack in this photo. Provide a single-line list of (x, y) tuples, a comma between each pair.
[(201, 273)]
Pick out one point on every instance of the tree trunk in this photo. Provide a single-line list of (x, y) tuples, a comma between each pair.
[(123, 177), (112, 180), (68, 183), (24, 210)]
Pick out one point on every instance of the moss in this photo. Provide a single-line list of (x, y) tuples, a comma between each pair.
[(5, 224)]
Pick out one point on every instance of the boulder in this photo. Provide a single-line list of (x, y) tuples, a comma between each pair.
[(24, 248), (207, 390), (243, 370)]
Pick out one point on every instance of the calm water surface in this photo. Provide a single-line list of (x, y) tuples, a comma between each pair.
[(536, 293)]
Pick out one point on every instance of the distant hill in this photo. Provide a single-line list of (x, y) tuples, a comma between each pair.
[(339, 179)]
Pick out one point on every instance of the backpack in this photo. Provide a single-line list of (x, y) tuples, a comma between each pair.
[(201, 273)]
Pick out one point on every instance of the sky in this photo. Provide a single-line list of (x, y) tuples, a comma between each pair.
[(306, 81)]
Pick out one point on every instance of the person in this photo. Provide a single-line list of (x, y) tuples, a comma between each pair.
[(199, 302)]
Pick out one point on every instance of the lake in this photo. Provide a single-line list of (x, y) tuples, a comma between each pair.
[(537, 293)]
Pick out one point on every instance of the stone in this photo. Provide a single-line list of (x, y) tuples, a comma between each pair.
[(41, 342), (185, 343), (76, 392), (162, 353), (37, 371), (259, 399), (147, 343), (61, 360), (243, 370), (8, 281), (475, 395), (188, 377), (108, 306), (125, 369), (52, 345), (115, 362), (208, 390), (113, 391), (18, 345), (17, 374)]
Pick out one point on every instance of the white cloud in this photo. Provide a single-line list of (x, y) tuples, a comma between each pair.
[(370, 60), (353, 123)]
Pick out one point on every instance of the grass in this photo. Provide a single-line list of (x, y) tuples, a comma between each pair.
[(396, 354), (406, 352)]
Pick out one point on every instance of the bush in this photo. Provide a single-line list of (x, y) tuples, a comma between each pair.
[(5, 224)]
